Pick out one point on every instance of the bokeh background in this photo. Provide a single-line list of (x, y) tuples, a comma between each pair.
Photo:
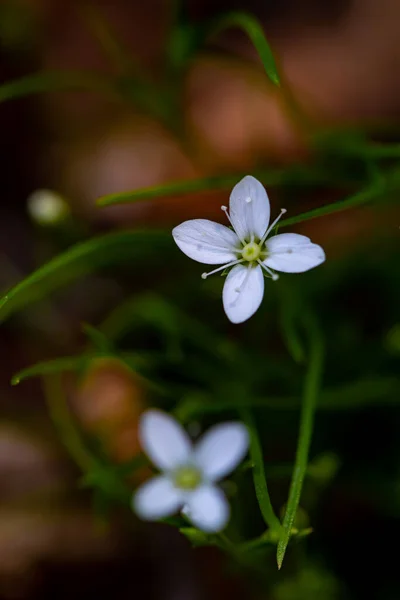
[(58, 536)]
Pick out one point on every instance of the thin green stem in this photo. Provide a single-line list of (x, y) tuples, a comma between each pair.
[(310, 394), (260, 482)]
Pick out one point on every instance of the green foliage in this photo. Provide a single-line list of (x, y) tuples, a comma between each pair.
[(183, 355), (104, 251), (312, 384)]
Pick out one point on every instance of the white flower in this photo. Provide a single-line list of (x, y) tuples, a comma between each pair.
[(246, 249), (189, 472)]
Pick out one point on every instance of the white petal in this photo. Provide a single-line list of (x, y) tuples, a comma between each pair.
[(249, 208), (156, 498), (208, 509), (221, 449), (207, 242), (241, 305), (293, 253), (163, 440)]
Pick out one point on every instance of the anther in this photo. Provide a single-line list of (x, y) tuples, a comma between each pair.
[(283, 210), (231, 264), (273, 275)]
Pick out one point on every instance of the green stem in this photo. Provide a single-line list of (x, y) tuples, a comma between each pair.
[(260, 482), (310, 394)]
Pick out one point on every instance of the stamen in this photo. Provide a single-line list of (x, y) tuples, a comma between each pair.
[(274, 276), (225, 210), (231, 264), (264, 237)]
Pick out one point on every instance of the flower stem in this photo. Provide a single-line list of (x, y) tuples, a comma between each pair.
[(310, 394), (260, 482)]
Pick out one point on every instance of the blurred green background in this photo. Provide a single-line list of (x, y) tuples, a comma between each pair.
[(114, 97)]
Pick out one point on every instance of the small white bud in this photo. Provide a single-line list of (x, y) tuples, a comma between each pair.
[(46, 207)]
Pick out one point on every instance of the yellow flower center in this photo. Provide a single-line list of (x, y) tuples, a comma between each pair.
[(187, 478), (251, 251)]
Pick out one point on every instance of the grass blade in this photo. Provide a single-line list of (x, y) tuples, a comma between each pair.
[(83, 258), (310, 394), (54, 81), (252, 27), (260, 482)]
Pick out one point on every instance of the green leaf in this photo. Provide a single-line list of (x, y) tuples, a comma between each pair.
[(171, 189), (260, 482), (310, 394), (58, 365), (252, 27), (49, 81), (385, 186), (293, 175), (364, 197), (81, 259), (134, 362), (97, 338)]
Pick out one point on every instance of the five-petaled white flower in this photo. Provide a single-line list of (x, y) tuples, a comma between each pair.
[(246, 249), (189, 472)]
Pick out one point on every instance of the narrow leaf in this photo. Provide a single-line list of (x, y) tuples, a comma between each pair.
[(81, 259), (135, 362), (310, 393), (365, 196), (260, 482), (252, 27), (171, 189), (49, 81), (58, 365), (292, 175)]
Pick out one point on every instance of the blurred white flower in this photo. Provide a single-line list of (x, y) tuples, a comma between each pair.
[(47, 207), (246, 248), (189, 472)]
